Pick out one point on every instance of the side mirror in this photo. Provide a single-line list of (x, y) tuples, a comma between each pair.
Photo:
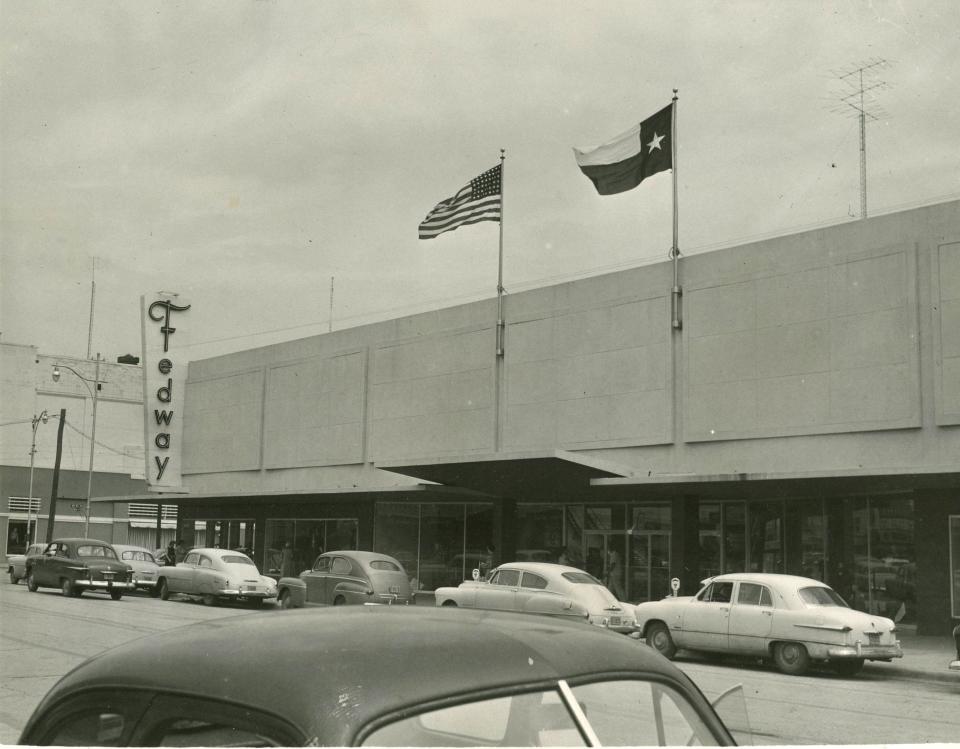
[(476, 574)]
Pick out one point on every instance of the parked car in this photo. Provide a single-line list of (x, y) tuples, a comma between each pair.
[(144, 566), (347, 577), (542, 588), (793, 620), (17, 563), (76, 565), (215, 575), (377, 676)]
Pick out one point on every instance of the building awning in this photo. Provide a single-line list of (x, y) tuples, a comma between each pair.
[(548, 475), (330, 494)]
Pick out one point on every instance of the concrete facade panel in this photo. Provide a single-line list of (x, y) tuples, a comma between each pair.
[(950, 328), (531, 341), (800, 348), (530, 426), (222, 423), (717, 410), (532, 382), (793, 298), (724, 357), (456, 433), (718, 310), (872, 339), (946, 332), (870, 284), (881, 395), (786, 403), (461, 391)]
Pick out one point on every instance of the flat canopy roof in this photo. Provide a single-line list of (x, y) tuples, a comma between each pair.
[(329, 493), (548, 475)]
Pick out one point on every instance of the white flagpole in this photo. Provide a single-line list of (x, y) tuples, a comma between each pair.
[(675, 249), (500, 262)]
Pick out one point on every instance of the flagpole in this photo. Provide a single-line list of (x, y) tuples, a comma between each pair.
[(677, 292), (500, 263)]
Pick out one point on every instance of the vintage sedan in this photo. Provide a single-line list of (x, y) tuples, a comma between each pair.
[(76, 565), (347, 577), (17, 563), (144, 566), (795, 621), (543, 588), (377, 676), (215, 575)]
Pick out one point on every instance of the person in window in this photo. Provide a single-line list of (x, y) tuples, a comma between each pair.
[(614, 573), (170, 556), (489, 563), (181, 550)]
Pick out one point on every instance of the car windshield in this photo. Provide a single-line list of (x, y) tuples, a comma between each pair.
[(237, 559), (383, 564), (821, 596), (92, 550), (620, 713), (583, 578)]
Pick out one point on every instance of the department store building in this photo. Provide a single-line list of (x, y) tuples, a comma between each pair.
[(804, 418)]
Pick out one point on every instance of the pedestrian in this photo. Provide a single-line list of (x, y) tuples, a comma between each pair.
[(955, 665), (170, 557), (614, 572), (181, 552), (488, 562), (286, 561)]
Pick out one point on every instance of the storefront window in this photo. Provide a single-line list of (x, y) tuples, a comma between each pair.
[(18, 537), (766, 537), (884, 558), (293, 544), (648, 564), (955, 566), (574, 535), (437, 544), (734, 537), (539, 533), (813, 540), (710, 535)]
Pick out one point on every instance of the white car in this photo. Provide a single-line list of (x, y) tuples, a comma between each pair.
[(215, 575), (542, 588), (793, 620), (144, 565), (17, 563)]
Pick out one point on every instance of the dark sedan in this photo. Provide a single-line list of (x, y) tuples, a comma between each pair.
[(377, 676), (347, 577), (76, 565)]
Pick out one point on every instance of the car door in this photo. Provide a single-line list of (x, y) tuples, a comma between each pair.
[(180, 578), (338, 580), (751, 618), (501, 592), (42, 565), (533, 597), (315, 581), (706, 618), (204, 576)]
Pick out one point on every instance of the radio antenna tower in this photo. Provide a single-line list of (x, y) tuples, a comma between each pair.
[(861, 84)]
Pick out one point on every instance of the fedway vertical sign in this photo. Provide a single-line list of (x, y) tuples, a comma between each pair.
[(162, 317)]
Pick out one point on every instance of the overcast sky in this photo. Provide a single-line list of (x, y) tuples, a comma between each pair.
[(243, 153)]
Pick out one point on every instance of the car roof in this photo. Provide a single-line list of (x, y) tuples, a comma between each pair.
[(769, 578), (336, 660), (79, 540), (130, 547), (544, 568), (215, 552), (362, 556)]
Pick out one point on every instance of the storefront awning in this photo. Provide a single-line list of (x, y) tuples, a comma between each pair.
[(548, 475)]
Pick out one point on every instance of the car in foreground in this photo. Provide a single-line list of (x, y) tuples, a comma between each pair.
[(17, 563), (377, 676), (543, 588), (795, 621), (347, 577), (216, 575), (79, 565), (144, 566)]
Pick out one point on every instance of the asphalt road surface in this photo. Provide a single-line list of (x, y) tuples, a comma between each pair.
[(43, 635)]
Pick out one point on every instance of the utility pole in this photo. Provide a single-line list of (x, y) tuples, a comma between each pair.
[(860, 100), (55, 489), (93, 296)]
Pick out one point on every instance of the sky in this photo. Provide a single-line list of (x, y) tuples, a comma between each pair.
[(243, 153)]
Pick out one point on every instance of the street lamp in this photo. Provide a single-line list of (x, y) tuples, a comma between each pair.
[(31, 527), (93, 427)]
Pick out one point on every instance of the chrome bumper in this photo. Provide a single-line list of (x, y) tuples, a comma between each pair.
[(869, 652), (105, 585)]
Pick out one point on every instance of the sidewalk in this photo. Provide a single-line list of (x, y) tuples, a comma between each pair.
[(923, 657)]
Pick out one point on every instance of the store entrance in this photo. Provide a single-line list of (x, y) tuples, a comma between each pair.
[(648, 566)]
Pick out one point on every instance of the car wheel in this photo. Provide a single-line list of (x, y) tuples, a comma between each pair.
[(209, 600), (849, 668), (164, 590), (791, 658), (116, 595), (658, 637), (339, 601), (66, 587), (13, 578), (449, 603), (31, 583), (286, 600), (154, 591)]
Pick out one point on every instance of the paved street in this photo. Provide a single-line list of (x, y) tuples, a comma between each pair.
[(43, 635)]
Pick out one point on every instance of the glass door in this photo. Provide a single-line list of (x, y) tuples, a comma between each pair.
[(607, 560), (648, 566)]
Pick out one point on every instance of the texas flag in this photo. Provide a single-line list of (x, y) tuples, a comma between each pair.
[(625, 161)]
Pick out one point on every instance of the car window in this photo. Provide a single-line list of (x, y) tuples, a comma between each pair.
[(145, 556), (641, 713), (531, 719), (531, 580), (819, 595), (192, 559), (95, 550), (341, 566), (237, 559), (506, 577), (128, 555), (322, 564), (581, 578), (383, 564), (95, 717), (206, 561), (51, 550), (753, 594), (717, 593)]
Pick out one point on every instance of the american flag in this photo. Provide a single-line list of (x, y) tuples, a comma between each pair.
[(480, 200)]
